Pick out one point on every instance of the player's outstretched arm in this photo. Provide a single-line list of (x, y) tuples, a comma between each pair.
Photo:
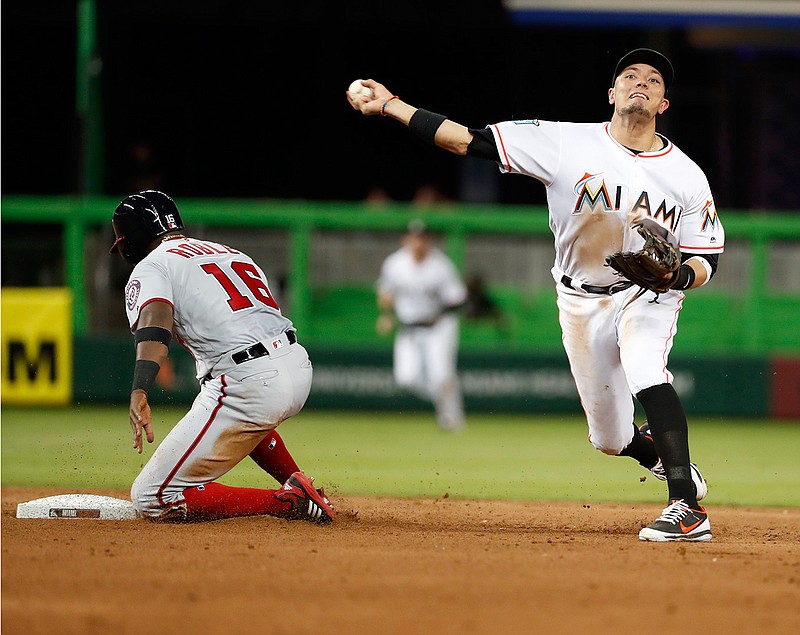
[(433, 128)]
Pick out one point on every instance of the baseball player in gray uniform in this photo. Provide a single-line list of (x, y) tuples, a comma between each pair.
[(602, 180), (253, 372), (419, 291)]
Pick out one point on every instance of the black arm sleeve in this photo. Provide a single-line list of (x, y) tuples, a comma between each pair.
[(712, 259), (482, 145)]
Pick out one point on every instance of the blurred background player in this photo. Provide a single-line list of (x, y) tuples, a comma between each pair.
[(253, 373), (419, 292)]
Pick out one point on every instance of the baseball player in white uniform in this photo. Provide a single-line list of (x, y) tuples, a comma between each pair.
[(602, 179), (253, 373), (419, 291)]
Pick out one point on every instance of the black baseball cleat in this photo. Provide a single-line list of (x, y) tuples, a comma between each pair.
[(678, 522), (308, 503), (658, 469)]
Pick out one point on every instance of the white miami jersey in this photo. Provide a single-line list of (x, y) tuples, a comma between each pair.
[(220, 297), (421, 290), (597, 189)]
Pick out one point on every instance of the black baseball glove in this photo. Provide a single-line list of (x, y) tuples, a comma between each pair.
[(654, 267)]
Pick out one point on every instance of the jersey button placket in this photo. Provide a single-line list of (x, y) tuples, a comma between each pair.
[(634, 186)]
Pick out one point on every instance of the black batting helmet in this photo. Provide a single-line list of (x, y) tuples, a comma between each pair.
[(141, 218)]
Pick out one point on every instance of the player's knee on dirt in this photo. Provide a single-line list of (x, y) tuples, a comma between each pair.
[(144, 496), (143, 502)]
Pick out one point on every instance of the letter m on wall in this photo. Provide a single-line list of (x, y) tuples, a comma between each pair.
[(43, 360), (37, 346)]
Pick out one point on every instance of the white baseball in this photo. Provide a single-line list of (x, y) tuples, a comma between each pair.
[(357, 88)]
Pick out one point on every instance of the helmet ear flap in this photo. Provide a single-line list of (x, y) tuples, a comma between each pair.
[(116, 246), (131, 243), (134, 247)]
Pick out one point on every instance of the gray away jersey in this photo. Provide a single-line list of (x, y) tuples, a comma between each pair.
[(220, 297)]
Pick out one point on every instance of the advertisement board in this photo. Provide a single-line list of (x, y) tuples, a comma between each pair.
[(37, 346)]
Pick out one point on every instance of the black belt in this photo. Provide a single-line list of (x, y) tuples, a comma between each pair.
[(590, 288), (414, 325), (258, 350)]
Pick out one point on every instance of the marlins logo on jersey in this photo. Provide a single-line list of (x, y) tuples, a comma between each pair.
[(590, 193), (709, 215)]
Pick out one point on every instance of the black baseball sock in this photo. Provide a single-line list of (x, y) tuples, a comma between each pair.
[(671, 439), (642, 449)]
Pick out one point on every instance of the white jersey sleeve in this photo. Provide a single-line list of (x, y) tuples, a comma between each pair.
[(529, 147), (453, 290), (699, 230), (148, 282)]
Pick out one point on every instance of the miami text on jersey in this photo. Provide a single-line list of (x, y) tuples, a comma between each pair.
[(590, 194)]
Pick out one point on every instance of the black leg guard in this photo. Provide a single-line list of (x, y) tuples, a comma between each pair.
[(671, 438)]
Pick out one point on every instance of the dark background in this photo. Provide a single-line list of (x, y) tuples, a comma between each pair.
[(246, 98)]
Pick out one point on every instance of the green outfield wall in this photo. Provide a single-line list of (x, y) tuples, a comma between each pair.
[(736, 351), (351, 378)]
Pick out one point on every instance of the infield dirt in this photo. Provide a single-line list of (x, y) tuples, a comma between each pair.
[(401, 566)]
